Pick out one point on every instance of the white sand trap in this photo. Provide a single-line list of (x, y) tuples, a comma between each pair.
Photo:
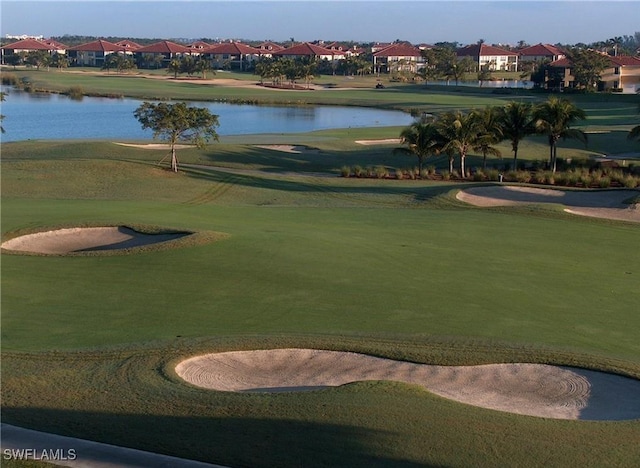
[(387, 141), (64, 241), (529, 389), (295, 149), (601, 204), (154, 146)]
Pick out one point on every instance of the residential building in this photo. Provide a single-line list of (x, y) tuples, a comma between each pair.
[(540, 53), (267, 48), (232, 55), (311, 51), (163, 50), (622, 74), (495, 58), (397, 57), (31, 45), (93, 54)]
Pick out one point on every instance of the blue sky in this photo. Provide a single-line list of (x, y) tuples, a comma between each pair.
[(505, 22)]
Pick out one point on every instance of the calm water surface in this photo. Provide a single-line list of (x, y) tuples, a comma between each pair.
[(52, 117)]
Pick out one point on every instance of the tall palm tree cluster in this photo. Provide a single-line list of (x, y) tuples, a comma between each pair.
[(282, 69), (457, 133)]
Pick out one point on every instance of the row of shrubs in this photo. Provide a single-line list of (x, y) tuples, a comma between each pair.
[(587, 178)]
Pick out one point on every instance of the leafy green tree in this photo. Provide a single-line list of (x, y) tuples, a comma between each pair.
[(484, 74), (517, 122), (188, 65), (554, 118), (489, 132), (421, 139), (587, 67), (60, 61), (458, 69), (178, 122), (38, 59)]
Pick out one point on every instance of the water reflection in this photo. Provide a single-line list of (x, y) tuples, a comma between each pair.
[(53, 116)]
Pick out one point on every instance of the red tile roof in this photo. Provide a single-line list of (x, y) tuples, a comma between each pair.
[(619, 61), (398, 50), (483, 50), (29, 44), (199, 45), (164, 47), (233, 48), (305, 49), (56, 44), (541, 50), (129, 45), (561, 63), (99, 45), (271, 46), (625, 61)]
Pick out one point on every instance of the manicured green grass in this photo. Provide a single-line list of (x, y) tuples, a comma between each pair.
[(117, 396), (391, 268)]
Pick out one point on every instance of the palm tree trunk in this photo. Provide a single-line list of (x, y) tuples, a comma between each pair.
[(515, 159)]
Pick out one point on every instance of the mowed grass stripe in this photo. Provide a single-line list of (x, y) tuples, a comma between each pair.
[(335, 270)]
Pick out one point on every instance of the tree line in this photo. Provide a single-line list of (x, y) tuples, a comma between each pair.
[(457, 133)]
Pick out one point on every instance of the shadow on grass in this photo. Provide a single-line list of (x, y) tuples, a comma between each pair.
[(232, 441), (419, 193)]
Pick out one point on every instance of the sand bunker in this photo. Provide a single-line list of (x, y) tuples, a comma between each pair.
[(65, 241), (295, 149), (387, 141), (601, 204), (528, 389)]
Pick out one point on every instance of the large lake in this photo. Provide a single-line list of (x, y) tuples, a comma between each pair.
[(40, 116)]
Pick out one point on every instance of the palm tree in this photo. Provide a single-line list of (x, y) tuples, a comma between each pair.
[(554, 118), (489, 133), (175, 67), (421, 139), (203, 66), (460, 132), (516, 119)]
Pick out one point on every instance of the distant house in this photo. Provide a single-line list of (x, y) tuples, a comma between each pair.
[(198, 47), (622, 74), (267, 48), (541, 52), (495, 58), (165, 51), (311, 51), (234, 54), (94, 54), (31, 45), (397, 57), (129, 46)]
